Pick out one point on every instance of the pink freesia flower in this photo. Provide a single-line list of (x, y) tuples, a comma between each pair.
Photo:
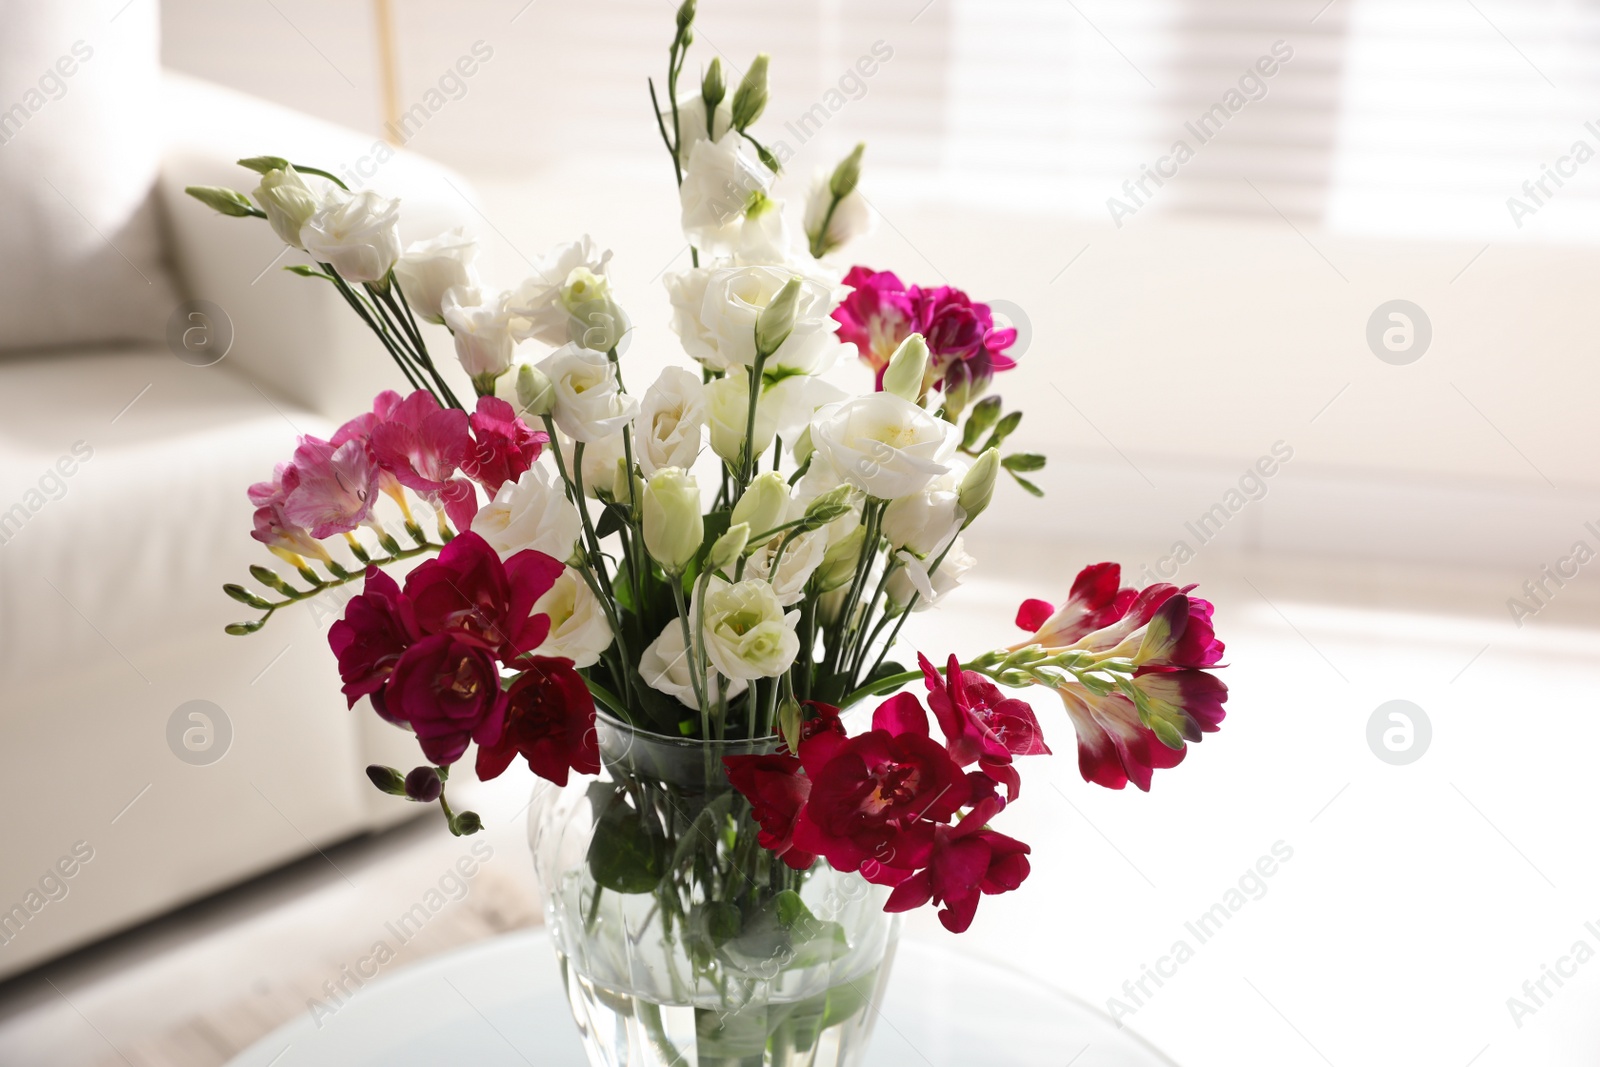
[(503, 445), (964, 863), (335, 486), (876, 316), (981, 725), (360, 428), (466, 590), (275, 529), (423, 445)]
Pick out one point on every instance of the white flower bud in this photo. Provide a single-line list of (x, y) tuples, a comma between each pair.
[(673, 525), (776, 321), (764, 505), (288, 202), (977, 488), (907, 369)]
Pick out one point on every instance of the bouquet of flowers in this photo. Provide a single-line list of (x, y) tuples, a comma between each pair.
[(728, 557)]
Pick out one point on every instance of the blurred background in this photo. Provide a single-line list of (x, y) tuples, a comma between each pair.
[(1305, 299)]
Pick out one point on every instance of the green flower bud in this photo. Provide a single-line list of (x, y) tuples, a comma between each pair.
[(262, 164), (225, 201), (712, 87), (839, 563), (535, 394), (686, 14), (847, 174), (750, 99), (288, 202), (829, 506), (764, 505), (776, 321), (729, 547), (907, 369), (387, 779), (673, 525), (977, 487)]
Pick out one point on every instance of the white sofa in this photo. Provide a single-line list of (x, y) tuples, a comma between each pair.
[(123, 511)]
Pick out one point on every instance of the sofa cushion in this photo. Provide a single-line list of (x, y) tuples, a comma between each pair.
[(80, 147)]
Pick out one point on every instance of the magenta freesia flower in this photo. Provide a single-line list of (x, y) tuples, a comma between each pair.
[(448, 689), (423, 445), (982, 725), (503, 447), (468, 591), (777, 790), (965, 348), (379, 624), (964, 863)]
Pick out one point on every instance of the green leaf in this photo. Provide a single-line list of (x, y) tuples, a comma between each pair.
[(612, 519), (1022, 462), (626, 851), (1005, 428), (985, 413), (1028, 486), (262, 164)]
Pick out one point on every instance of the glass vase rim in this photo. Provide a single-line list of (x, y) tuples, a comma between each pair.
[(769, 743)]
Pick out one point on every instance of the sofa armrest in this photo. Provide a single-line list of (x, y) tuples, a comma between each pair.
[(293, 336)]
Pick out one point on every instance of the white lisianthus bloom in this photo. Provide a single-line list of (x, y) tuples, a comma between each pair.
[(728, 415), (719, 181), (671, 419), (481, 333), (430, 269), (692, 128), (578, 627), (289, 203), (801, 558), (600, 464), (913, 577), (763, 235), (687, 291), (358, 234), (797, 401), (747, 633), (665, 668), (883, 445), (537, 308), (922, 523), (532, 512), (588, 404), (734, 300), (851, 218)]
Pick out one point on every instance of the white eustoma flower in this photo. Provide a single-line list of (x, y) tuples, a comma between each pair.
[(600, 466), (671, 419), (687, 291), (357, 234), (430, 269), (883, 445), (747, 633), (665, 668), (578, 627), (481, 333), (852, 217), (764, 236), (801, 557), (913, 577), (718, 182), (588, 404), (532, 512), (734, 300), (692, 128), (537, 308), (289, 203), (923, 522), (728, 415)]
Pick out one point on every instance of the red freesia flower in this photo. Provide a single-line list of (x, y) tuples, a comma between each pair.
[(503, 445), (965, 862), (423, 445), (448, 690), (873, 785), (549, 721), (1095, 602), (378, 626), (776, 790), (468, 591)]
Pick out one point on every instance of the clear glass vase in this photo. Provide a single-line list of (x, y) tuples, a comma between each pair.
[(682, 942)]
